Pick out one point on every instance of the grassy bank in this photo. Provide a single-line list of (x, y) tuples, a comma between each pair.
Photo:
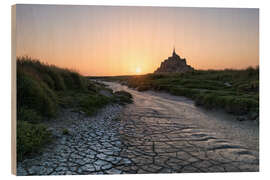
[(236, 91), (44, 89)]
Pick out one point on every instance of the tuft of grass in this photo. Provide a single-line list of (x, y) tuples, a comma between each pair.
[(90, 103), (123, 97), (31, 138), (65, 131)]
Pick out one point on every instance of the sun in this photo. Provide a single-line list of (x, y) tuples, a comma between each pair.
[(138, 70)]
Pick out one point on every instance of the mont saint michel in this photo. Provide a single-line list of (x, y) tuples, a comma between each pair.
[(174, 64)]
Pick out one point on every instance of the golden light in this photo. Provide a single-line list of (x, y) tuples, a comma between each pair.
[(138, 70)]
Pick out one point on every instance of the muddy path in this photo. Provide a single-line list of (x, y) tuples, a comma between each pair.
[(158, 133), (167, 133)]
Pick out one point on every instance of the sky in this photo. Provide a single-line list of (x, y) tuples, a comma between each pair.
[(111, 40)]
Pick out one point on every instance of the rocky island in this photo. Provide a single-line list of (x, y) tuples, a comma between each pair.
[(174, 64)]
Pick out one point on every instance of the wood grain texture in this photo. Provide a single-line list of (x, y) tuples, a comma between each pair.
[(13, 90)]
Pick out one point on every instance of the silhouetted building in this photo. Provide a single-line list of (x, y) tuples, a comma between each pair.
[(174, 64)]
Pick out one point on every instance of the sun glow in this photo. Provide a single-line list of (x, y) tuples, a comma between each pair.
[(138, 70), (111, 41)]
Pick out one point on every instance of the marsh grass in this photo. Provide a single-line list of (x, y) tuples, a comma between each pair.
[(38, 89), (42, 90), (236, 91), (31, 138)]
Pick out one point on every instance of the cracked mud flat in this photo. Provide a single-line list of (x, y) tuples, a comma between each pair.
[(159, 133)]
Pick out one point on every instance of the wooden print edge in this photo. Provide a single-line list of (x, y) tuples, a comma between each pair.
[(13, 91)]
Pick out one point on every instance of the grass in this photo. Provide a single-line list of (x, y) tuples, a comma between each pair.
[(236, 91), (65, 131), (42, 90), (91, 103), (31, 138), (123, 97)]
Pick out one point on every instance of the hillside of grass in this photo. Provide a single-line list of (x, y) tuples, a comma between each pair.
[(236, 91), (42, 90)]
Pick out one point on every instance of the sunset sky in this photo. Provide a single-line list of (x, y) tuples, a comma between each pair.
[(107, 40)]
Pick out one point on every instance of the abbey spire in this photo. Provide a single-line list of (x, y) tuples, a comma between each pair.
[(174, 54)]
